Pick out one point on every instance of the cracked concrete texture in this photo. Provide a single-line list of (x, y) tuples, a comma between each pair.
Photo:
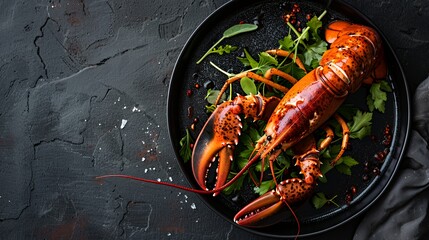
[(72, 71)]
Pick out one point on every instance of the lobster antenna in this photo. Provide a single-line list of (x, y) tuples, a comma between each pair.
[(199, 191)]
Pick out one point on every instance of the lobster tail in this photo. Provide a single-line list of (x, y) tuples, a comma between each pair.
[(355, 55)]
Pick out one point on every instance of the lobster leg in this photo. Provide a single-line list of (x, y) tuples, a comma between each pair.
[(284, 53), (275, 71), (330, 135), (258, 78), (346, 136)]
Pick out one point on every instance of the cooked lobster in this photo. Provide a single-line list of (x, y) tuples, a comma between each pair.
[(355, 56)]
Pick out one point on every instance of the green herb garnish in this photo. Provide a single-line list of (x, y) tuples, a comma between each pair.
[(314, 46), (319, 200), (212, 95), (344, 165), (361, 125), (185, 144), (248, 86), (230, 32), (378, 96)]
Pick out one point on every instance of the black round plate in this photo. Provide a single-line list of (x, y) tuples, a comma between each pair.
[(272, 28)]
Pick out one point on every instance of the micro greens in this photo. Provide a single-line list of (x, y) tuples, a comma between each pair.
[(230, 32), (224, 49), (266, 61), (313, 51)]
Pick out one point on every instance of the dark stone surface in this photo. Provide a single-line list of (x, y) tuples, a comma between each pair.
[(73, 72)]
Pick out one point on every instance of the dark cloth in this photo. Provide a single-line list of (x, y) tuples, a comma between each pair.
[(402, 212)]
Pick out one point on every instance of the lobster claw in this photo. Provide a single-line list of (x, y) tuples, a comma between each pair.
[(270, 208), (213, 144), (219, 136)]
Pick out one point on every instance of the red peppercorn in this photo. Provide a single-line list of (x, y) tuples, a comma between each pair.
[(353, 190), (349, 198), (189, 92)]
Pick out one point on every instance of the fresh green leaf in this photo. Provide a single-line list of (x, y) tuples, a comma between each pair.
[(347, 111), (264, 187), (319, 200), (332, 151), (248, 86), (378, 96), (230, 32), (267, 59), (235, 186), (210, 108), (293, 70), (349, 161), (185, 147), (361, 125), (248, 60), (254, 134), (283, 161), (224, 49), (266, 166), (211, 96), (344, 169), (304, 40), (246, 140), (314, 52), (344, 164), (314, 63), (314, 24), (239, 28), (286, 43), (384, 85)]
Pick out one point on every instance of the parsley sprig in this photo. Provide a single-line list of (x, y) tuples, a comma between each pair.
[(378, 96)]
